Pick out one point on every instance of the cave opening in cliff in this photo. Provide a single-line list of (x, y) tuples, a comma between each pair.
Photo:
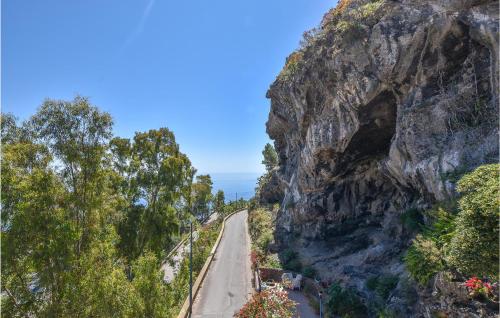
[(377, 126)]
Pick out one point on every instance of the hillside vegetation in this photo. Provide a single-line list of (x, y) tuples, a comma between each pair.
[(88, 218)]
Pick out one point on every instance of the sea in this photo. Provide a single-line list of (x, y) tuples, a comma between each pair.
[(235, 185)]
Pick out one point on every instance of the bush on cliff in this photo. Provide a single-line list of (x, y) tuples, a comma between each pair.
[(463, 235), (474, 248), (345, 302), (423, 259)]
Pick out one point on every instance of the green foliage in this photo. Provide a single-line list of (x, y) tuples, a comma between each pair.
[(218, 201), (272, 261), (442, 226), (260, 226), (202, 196), (386, 313), (290, 260), (233, 206), (294, 265), (467, 241), (345, 302), (426, 255), (149, 285), (382, 285), (309, 271), (270, 157), (85, 219), (474, 248), (292, 65), (423, 259), (178, 289), (455, 174), (367, 10), (412, 219), (288, 255), (152, 176), (345, 26)]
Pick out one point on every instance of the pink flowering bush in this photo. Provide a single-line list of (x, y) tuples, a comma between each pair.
[(478, 287), (272, 303)]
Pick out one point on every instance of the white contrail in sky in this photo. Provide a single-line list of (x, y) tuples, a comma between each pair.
[(140, 26)]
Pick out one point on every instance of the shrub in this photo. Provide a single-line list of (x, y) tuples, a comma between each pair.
[(408, 291), (382, 285), (292, 65), (294, 265), (345, 302), (423, 259), (309, 272), (288, 255), (474, 248), (385, 285), (443, 224), (478, 287), (367, 11), (412, 219), (386, 313), (272, 261), (264, 240)]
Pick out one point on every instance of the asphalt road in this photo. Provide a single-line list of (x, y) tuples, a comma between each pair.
[(227, 286)]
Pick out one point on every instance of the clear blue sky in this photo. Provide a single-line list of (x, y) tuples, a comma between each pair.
[(199, 67)]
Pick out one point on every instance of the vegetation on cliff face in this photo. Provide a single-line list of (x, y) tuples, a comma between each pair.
[(87, 218), (465, 240)]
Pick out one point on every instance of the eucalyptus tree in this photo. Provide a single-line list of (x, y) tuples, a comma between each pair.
[(201, 196), (153, 176), (77, 134), (70, 197)]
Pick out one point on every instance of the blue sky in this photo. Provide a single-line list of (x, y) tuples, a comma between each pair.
[(200, 68)]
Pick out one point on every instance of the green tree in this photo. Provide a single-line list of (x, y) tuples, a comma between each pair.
[(152, 176), (219, 201), (77, 133), (270, 157), (474, 248), (102, 288), (66, 192), (202, 196), (37, 234), (150, 287)]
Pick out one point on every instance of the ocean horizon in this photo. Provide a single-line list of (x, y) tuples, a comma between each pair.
[(235, 184)]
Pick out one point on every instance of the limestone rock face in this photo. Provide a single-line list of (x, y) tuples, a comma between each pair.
[(272, 189), (375, 115)]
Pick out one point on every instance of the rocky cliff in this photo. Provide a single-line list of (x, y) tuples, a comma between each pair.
[(377, 112)]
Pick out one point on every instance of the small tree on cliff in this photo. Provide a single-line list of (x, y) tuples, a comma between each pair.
[(270, 157)]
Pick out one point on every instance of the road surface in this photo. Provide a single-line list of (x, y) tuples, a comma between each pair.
[(227, 286)]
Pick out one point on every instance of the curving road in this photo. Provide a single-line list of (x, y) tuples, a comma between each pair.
[(227, 286)]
